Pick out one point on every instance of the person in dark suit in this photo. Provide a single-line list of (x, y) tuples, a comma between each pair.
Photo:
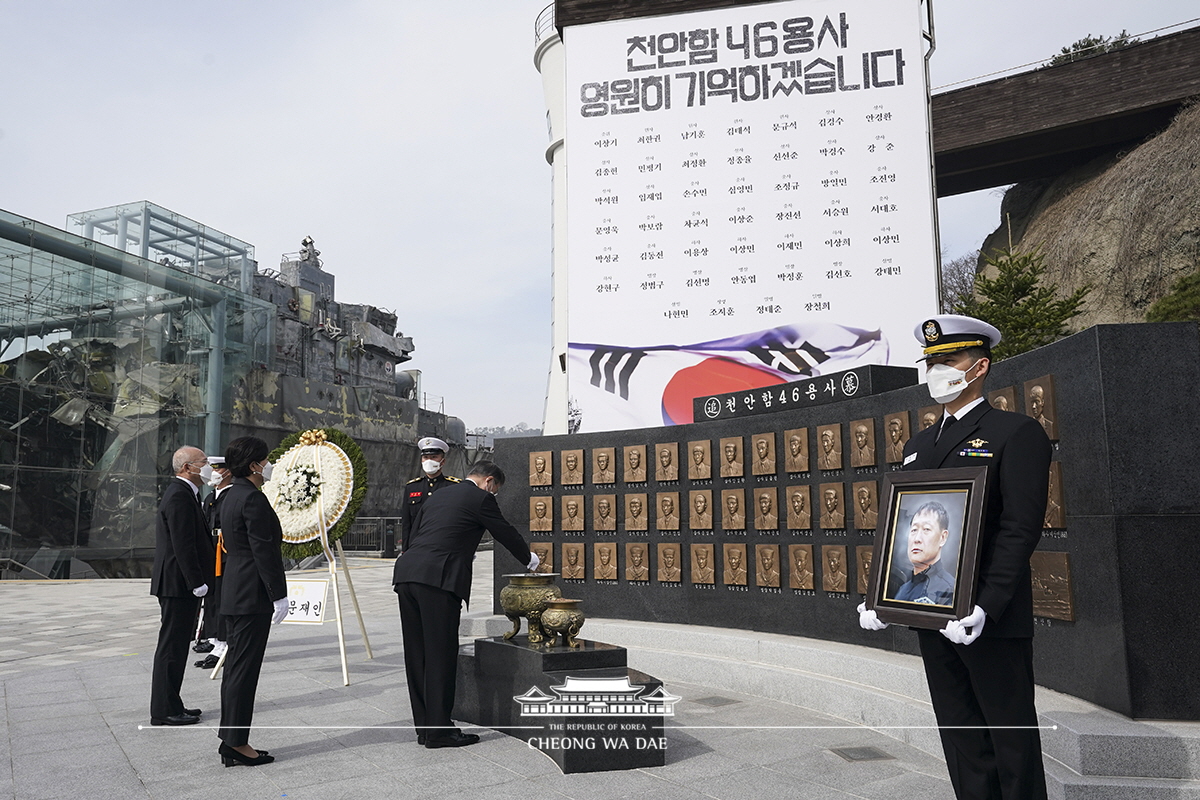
[(212, 622), (253, 593), (980, 668), (433, 578), (183, 571)]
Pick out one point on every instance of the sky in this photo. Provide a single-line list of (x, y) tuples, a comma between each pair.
[(406, 137)]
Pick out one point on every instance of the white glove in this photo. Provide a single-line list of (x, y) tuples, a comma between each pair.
[(967, 629), (200, 590), (869, 620), (533, 562), (281, 609)]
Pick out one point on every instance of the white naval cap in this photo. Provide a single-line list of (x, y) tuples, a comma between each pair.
[(216, 460), (431, 444), (949, 333)]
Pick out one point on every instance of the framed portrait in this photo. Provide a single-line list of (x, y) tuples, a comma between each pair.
[(1040, 404), (799, 508), (604, 561), (862, 443), (730, 455), (703, 569), (572, 467), (666, 462), (926, 553), (545, 553), (829, 446), (795, 450), (604, 466), (604, 512), (733, 510), (866, 505), (541, 471), (800, 566), (637, 562), (833, 506), (666, 517), (928, 416), (572, 512), (833, 568), (766, 565), (1003, 399), (541, 514), (700, 511), (700, 460), (896, 433), (636, 513), (766, 509), (573, 562), (734, 572), (669, 569), (762, 459), (635, 463)]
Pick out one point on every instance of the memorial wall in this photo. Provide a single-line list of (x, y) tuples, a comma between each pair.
[(764, 518)]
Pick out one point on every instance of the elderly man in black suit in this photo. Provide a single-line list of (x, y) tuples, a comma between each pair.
[(183, 571), (980, 668), (433, 578)]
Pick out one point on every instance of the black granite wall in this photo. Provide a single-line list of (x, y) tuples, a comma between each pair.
[(1126, 408)]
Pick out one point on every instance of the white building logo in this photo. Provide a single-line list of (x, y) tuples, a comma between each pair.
[(600, 696)]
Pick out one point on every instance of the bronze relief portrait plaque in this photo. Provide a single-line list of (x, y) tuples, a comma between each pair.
[(572, 467), (1056, 514), (731, 457), (604, 561), (833, 568), (895, 428), (766, 510), (800, 566), (541, 518), (799, 508), (573, 563), (763, 455), (928, 416), (703, 568), (635, 463), (795, 450), (866, 505), (604, 512), (699, 460), (700, 517), (734, 573), (604, 466), (862, 443), (1052, 598), (636, 566), (666, 467), (572, 512), (766, 570), (545, 553), (637, 515), (1003, 399), (733, 510), (862, 561), (833, 507), (667, 516), (1040, 404), (669, 567), (540, 471), (829, 446)]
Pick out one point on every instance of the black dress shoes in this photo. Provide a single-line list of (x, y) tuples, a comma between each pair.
[(456, 739), (193, 712), (208, 662), (421, 739), (232, 758), (177, 719), (202, 647)]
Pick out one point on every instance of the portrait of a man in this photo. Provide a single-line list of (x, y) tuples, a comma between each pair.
[(767, 571), (636, 516), (800, 557), (699, 461), (667, 468), (863, 555), (929, 415), (701, 517), (866, 506), (545, 553), (669, 570), (635, 463), (1004, 399), (540, 518), (668, 512), (833, 509), (540, 473), (636, 568), (833, 578), (573, 561), (764, 454), (862, 445), (766, 517), (702, 564), (735, 565), (604, 513), (602, 465), (799, 509), (733, 517), (1039, 404), (572, 467), (896, 429), (731, 457), (1056, 516), (930, 578), (572, 512), (795, 457), (829, 446), (604, 562)]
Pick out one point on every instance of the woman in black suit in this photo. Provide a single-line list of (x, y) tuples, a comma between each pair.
[(253, 593)]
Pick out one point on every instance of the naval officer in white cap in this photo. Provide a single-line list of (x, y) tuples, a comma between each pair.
[(433, 457)]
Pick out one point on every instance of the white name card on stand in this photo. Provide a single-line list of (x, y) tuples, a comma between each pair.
[(306, 601)]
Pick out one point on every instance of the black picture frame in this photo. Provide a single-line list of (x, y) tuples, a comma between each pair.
[(961, 494)]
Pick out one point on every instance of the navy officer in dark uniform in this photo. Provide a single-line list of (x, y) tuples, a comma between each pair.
[(433, 578), (980, 668), (433, 457)]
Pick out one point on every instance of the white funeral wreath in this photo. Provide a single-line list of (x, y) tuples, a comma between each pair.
[(311, 487)]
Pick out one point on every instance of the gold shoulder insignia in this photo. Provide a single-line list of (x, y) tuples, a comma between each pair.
[(453, 479), (977, 442), (414, 480)]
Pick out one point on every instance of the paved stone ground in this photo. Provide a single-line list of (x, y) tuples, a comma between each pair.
[(75, 663)]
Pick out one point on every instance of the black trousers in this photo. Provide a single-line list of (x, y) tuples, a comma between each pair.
[(171, 655), (983, 696), (247, 642), (213, 624), (429, 619)]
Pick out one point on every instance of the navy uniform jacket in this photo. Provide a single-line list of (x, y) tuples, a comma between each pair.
[(184, 556), (416, 492), (252, 576), (445, 534), (1017, 479)]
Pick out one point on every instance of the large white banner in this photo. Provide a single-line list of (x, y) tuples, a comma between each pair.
[(749, 201)]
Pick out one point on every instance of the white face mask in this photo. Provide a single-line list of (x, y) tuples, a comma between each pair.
[(267, 468), (946, 383), (206, 474), (430, 466), (216, 479)]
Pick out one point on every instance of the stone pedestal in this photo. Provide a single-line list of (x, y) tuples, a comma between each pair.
[(582, 706)]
